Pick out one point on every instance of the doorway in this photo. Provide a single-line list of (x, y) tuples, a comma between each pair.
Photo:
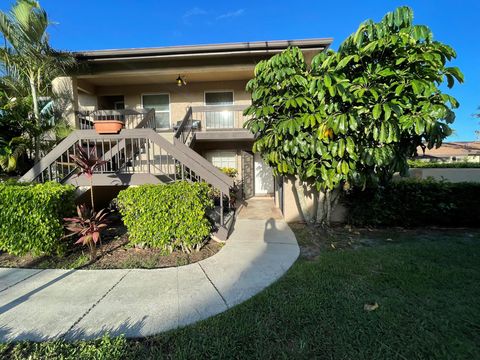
[(263, 177)]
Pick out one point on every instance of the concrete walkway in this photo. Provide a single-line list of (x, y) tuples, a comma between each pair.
[(82, 304)]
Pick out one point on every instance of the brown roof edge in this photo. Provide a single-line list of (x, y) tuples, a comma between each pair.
[(243, 47)]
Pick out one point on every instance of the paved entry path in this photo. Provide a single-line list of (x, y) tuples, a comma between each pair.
[(83, 304)]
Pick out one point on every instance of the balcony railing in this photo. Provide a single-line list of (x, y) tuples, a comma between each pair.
[(220, 117), (132, 118)]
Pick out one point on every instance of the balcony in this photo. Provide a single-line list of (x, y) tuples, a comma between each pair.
[(224, 117), (132, 118), (213, 123)]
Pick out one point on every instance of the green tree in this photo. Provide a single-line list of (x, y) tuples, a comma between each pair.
[(10, 151), (356, 115), (28, 62)]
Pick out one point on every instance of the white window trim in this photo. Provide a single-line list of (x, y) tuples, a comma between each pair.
[(218, 91), (169, 106), (211, 153)]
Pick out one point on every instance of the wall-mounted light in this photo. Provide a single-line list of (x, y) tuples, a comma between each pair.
[(181, 81)]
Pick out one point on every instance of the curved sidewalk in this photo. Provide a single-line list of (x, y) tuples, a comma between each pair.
[(82, 304)]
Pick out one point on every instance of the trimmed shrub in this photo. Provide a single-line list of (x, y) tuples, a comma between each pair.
[(411, 203), (31, 217), (443, 165), (167, 217)]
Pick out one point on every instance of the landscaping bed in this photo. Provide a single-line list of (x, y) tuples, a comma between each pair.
[(425, 282), (115, 252)]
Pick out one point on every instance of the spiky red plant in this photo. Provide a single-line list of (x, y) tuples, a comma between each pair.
[(88, 226), (87, 163)]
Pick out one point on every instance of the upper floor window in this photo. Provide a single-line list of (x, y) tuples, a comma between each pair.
[(161, 104), (223, 118)]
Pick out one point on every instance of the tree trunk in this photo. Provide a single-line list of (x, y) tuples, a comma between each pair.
[(36, 114)]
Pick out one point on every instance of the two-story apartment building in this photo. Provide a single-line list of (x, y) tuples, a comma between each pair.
[(192, 97)]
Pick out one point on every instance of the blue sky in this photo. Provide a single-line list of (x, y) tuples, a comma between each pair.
[(107, 24)]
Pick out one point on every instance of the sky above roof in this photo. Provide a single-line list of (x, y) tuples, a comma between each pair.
[(110, 24)]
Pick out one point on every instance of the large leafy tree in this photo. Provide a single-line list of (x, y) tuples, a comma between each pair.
[(28, 62), (356, 115)]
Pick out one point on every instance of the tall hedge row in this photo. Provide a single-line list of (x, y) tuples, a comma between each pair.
[(167, 217), (412, 203), (31, 217)]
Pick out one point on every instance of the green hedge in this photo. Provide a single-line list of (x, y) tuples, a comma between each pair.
[(31, 217), (167, 217), (443, 165), (412, 203)]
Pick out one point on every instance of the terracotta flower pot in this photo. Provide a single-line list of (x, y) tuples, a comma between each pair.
[(108, 126)]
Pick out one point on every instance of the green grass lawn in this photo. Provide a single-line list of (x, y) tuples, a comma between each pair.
[(427, 288)]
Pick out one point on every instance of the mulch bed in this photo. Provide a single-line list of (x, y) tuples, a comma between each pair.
[(115, 252)]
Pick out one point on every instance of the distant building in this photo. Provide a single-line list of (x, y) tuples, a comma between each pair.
[(451, 152)]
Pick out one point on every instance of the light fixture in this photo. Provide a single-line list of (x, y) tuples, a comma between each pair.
[(181, 81)]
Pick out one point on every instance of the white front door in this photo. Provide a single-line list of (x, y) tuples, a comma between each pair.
[(263, 177)]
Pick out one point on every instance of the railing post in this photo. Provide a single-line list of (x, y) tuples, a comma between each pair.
[(221, 208)]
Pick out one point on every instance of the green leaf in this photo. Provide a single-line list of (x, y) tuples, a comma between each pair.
[(387, 111), (344, 62), (417, 87), (327, 80), (450, 80), (377, 111), (455, 71), (383, 135), (311, 170), (399, 89), (341, 147)]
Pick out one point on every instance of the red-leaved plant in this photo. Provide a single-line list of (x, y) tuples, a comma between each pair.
[(87, 163), (88, 226)]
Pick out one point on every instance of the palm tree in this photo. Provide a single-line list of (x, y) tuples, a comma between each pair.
[(28, 62)]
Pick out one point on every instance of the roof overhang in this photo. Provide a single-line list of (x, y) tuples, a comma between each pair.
[(202, 51)]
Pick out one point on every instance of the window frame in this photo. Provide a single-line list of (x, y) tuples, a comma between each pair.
[(210, 153), (205, 92), (160, 111), (218, 91)]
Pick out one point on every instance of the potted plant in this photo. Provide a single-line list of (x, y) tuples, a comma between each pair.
[(108, 125)]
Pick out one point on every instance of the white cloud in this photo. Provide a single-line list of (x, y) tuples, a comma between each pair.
[(195, 11), (231, 14)]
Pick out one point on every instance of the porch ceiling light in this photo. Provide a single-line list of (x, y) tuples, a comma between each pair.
[(180, 81)]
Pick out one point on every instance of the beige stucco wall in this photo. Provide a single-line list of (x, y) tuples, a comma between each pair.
[(66, 97), (447, 174), (180, 97), (87, 102), (301, 201)]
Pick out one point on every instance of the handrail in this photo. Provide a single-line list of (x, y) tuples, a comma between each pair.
[(48, 159), (215, 108), (189, 157), (186, 156), (207, 165), (187, 121), (125, 115), (200, 165)]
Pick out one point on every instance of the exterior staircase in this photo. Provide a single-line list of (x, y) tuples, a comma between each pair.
[(135, 156)]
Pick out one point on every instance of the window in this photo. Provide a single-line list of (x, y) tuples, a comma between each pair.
[(119, 105), (223, 158), (161, 104), (222, 119)]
